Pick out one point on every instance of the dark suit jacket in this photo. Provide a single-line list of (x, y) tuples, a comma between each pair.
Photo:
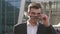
[(22, 29)]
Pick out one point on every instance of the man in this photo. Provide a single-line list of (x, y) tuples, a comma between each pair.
[(32, 26)]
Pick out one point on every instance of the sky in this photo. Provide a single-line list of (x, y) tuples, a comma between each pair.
[(14, 2)]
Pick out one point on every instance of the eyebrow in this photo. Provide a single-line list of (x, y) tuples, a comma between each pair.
[(37, 13)]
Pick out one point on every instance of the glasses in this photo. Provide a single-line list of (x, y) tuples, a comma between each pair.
[(33, 13)]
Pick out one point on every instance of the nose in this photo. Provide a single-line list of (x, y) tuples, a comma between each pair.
[(36, 14)]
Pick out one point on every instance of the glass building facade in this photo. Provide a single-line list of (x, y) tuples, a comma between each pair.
[(9, 11)]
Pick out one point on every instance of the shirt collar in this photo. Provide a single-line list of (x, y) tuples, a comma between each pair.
[(28, 24)]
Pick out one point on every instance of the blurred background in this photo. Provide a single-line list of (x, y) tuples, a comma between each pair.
[(13, 12)]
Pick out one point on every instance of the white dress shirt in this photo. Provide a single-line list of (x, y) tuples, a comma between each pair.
[(31, 29)]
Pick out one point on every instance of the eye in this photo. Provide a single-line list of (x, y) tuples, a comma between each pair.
[(32, 13), (38, 13)]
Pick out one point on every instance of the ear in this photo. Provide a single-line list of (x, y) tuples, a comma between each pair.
[(28, 13)]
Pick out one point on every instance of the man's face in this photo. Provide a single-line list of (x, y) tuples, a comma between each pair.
[(34, 13)]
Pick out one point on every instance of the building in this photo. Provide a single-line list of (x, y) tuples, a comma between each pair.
[(9, 11)]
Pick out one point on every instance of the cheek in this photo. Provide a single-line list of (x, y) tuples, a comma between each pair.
[(30, 14)]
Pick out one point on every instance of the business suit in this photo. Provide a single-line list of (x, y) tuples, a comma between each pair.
[(22, 29)]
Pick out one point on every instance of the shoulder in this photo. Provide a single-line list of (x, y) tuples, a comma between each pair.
[(41, 25), (19, 25)]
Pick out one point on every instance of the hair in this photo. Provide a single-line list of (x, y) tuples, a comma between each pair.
[(34, 5)]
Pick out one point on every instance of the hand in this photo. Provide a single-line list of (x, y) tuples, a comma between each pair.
[(45, 19)]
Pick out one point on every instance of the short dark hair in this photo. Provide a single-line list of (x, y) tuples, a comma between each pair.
[(34, 5)]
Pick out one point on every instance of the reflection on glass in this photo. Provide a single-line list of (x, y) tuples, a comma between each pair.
[(9, 12)]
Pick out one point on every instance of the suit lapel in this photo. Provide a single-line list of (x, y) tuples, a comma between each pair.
[(40, 29), (25, 28)]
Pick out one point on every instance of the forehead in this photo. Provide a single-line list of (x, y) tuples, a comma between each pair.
[(35, 10)]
